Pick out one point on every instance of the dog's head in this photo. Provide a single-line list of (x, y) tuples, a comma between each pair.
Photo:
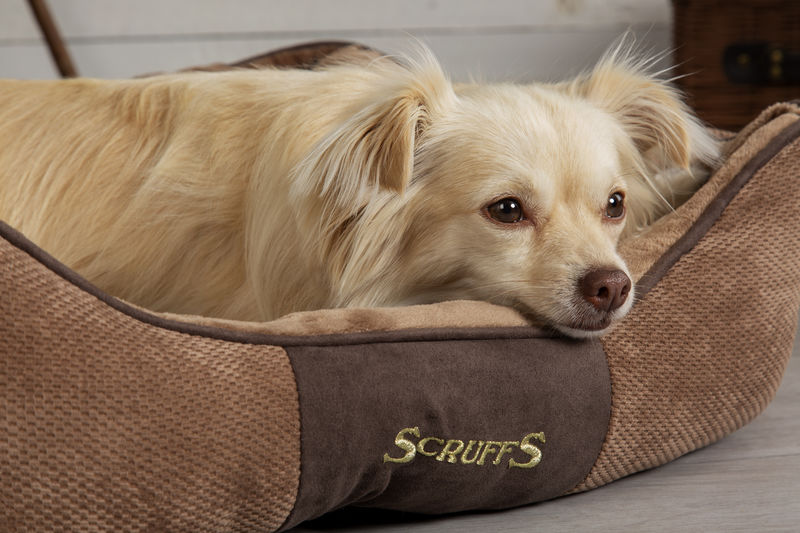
[(515, 194)]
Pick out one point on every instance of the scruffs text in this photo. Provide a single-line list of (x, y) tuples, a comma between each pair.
[(472, 452)]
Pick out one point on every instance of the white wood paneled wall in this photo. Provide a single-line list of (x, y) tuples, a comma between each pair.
[(491, 40)]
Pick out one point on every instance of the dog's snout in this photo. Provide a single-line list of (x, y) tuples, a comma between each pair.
[(605, 289)]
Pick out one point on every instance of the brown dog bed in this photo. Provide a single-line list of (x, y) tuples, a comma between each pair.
[(118, 418)]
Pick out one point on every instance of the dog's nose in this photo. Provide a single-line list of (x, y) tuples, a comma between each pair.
[(605, 289)]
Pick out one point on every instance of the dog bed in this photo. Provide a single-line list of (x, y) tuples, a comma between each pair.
[(117, 418)]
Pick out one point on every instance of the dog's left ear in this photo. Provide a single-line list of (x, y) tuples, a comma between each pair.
[(649, 109)]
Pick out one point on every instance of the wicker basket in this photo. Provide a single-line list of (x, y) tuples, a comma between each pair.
[(762, 42)]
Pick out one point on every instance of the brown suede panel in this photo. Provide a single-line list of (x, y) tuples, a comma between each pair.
[(354, 401), (312, 55), (304, 56)]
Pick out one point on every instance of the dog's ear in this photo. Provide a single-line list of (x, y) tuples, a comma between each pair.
[(375, 147), (649, 109), (372, 148)]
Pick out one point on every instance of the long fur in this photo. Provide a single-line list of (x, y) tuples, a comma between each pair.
[(251, 194)]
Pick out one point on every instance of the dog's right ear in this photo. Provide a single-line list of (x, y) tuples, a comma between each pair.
[(372, 149), (651, 110)]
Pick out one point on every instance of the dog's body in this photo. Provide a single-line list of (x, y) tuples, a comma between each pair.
[(254, 193)]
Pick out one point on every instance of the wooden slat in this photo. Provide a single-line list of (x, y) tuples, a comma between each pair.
[(91, 19), (547, 56)]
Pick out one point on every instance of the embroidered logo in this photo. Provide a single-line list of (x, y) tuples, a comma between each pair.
[(515, 453)]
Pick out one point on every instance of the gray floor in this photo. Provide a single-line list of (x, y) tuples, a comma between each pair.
[(749, 481)]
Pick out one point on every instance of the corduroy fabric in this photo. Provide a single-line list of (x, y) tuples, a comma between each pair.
[(107, 422), (705, 350)]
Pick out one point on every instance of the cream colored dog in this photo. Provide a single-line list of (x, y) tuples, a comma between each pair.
[(251, 194)]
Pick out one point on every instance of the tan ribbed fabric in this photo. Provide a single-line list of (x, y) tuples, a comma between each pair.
[(108, 422), (705, 350)]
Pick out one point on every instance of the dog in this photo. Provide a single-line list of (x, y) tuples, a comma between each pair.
[(254, 193)]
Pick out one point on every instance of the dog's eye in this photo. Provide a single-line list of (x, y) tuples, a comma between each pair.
[(507, 211), (616, 205)]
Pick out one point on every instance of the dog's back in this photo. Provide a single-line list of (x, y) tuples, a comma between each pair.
[(151, 188), (70, 147), (125, 179), (79, 166)]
